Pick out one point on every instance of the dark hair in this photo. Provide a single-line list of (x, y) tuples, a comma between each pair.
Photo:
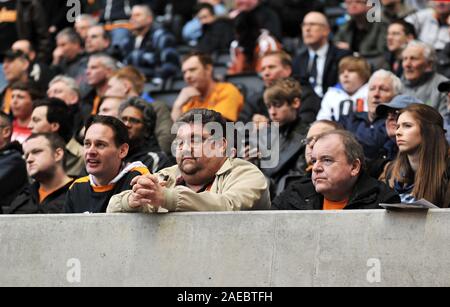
[(352, 148), (57, 112), (282, 91), (431, 178), (119, 128), (30, 87), (204, 58), (6, 118), (207, 6), (408, 28), (206, 116), (148, 113), (55, 141), (285, 58)]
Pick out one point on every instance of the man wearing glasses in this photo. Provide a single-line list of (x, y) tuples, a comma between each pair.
[(205, 179), (319, 56), (140, 118)]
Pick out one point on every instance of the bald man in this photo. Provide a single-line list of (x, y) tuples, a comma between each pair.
[(319, 55)]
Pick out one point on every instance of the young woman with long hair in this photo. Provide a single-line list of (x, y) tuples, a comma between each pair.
[(421, 170)]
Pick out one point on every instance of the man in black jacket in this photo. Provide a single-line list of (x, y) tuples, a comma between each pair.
[(44, 154), (338, 180), (12, 164), (139, 117), (318, 62)]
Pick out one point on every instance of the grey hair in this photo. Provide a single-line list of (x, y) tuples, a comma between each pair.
[(71, 35), (396, 83), (108, 61), (89, 18), (70, 82), (428, 51), (147, 110)]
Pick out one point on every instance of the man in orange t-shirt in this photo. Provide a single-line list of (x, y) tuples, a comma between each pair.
[(203, 92), (338, 179)]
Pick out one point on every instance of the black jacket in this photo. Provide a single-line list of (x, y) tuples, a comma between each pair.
[(308, 110), (367, 194), (82, 197), (330, 76), (32, 24), (8, 27), (216, 37), (27, 202), (150, 155), (13, 173)]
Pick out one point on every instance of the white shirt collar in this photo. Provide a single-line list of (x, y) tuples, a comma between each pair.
[(321, 52)]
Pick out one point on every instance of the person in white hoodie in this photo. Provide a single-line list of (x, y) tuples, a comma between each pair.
[(351, 92)]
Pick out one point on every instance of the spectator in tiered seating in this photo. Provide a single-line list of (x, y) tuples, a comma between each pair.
[(23, 95), (33, 25), (421, 170), (100, 68), (276, 65), (420, 77), (318, 62), (362, 36), (217, 33), (140, 118), (339, 181), (15, 67), (12, 164), (368, 128), (399, 34), (68, 57), (83, 23), (204, 179), (251, 44), (203, 92), (52, 115), (105, 148), (283, 100), (265, 16), (351, 94), (97, 40), (110, 106), (128, 82), (443, 63), (193, 30), (40, 73), (44, 154), (66, 89), (389, 112), (394, 10), (431, 23), (150, 49)]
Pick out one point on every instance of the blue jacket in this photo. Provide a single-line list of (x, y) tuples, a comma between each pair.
[(372, 136), (156, 57)]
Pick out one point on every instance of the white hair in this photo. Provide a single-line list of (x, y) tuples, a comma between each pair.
[(428, 51), (107, 61), (70, 82), (89, 18), (395, 81)]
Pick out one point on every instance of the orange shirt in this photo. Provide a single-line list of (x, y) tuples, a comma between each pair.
[(7, 101), (44, 194), (225, 99), (333, 205)]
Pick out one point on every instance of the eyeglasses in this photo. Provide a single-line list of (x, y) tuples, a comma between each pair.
[(131, 120)]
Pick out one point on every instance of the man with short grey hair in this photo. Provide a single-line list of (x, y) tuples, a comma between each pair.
[(420, 77), (339, 181)]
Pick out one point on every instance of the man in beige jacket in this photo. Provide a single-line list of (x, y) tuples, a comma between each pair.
[(205, 179)]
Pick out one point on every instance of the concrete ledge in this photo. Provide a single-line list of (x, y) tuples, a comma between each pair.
[(228, 249)]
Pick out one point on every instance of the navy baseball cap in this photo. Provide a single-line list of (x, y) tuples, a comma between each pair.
[(397, 103)]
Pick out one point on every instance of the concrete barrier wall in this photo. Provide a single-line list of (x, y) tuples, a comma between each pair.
[(227, 249)]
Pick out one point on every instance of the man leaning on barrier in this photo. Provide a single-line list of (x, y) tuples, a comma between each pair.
[(205, 179)]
